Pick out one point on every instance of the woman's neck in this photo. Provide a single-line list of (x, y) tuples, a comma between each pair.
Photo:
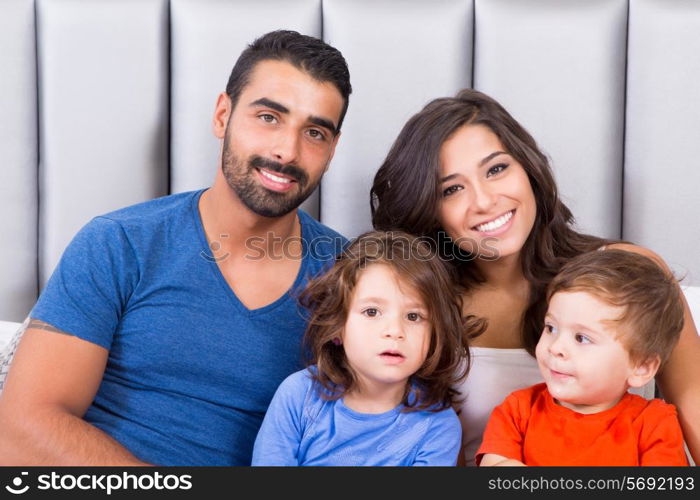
[(503, 272)]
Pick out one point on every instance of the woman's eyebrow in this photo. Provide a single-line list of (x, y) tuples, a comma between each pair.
[(482, 162), (490, 157)]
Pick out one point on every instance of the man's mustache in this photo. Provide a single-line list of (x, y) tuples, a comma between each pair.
[(292, 171)]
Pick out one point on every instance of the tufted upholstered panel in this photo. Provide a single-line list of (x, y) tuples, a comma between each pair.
[(662, 147), (18, 159), (108, 102)]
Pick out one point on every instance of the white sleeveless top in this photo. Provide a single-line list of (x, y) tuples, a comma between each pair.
[(494, 374)]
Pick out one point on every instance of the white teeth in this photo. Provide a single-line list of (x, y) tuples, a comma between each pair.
[(494, 224), (274, 177)]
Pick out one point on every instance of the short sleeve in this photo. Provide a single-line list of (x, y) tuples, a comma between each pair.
[(89, 289), (661, 440), (504, 434), (443, 441), (279, 437)]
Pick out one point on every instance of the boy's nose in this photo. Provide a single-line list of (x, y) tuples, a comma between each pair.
[(557, 347)]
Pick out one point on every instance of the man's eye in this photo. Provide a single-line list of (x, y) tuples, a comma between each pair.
[(317, 134), (496, 169), (451, 190), (268, 118), (371, 312)]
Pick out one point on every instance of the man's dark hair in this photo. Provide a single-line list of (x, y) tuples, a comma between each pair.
[(311, 55)]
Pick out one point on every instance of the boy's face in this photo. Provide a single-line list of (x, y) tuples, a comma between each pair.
[(387, 331), (586, 368)]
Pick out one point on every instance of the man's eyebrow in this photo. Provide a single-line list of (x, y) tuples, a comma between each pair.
[(268, 103), (323, 122), (281, 108)]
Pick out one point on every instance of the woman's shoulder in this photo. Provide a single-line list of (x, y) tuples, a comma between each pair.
[(631, 247)]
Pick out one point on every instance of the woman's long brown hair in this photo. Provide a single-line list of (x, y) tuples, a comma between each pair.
[(406, 195)]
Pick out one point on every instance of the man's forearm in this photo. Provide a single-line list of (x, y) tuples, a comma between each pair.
[(55, 437)]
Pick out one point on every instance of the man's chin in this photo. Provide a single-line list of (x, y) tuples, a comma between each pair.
[(271, 210)]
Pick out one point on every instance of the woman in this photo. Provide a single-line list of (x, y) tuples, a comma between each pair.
[(466, 175)]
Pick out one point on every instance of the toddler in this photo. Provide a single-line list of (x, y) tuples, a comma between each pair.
[(613, 318)]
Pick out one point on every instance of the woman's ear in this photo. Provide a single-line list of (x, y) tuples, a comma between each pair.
[(643, 372)]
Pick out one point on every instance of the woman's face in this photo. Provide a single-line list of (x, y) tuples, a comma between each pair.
[(487, 206)]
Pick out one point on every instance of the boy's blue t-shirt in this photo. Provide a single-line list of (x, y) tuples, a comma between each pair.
[(302, 428), (191, 370)]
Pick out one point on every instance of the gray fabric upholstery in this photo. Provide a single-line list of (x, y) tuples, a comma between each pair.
[(559, 68), (662, 146), (207, 36), (18, 159), (126, 90), (397, 64), (104, 117)]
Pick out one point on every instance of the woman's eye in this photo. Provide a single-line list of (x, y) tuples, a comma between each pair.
[(371, 312), (451, 190), (582, 339), (496, 169)]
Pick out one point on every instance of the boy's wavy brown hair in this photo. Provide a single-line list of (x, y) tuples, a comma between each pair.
[(328, 298), (652, 317)]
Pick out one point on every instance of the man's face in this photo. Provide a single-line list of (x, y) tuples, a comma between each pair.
[(280, 137)]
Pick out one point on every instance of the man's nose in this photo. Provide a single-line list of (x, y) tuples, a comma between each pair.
[(285, 148)]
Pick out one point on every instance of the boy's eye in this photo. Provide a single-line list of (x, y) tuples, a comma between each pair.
[(371, 312), (550, 328), (582, 339), (451, 190), (496, 169)]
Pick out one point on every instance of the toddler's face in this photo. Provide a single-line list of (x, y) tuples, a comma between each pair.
[(387, 332), (586, 368)]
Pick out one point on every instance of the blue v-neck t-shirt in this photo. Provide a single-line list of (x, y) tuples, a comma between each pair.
[(191, 370)]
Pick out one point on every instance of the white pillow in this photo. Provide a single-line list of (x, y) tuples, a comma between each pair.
[(10, 335)]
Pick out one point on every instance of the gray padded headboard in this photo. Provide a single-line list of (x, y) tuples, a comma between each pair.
[(105, 103)]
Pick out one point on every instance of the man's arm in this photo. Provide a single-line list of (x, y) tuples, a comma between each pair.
[(52, 381)]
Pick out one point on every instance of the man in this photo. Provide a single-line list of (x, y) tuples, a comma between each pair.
[(162, 336)]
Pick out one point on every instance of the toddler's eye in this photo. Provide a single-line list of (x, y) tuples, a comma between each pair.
[(371, 312), (413, 317), (550, 328), (582, 339)]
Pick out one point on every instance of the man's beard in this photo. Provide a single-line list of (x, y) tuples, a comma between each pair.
[(240, 176)]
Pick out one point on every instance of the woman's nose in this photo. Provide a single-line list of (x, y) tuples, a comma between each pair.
[(484, 197)]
